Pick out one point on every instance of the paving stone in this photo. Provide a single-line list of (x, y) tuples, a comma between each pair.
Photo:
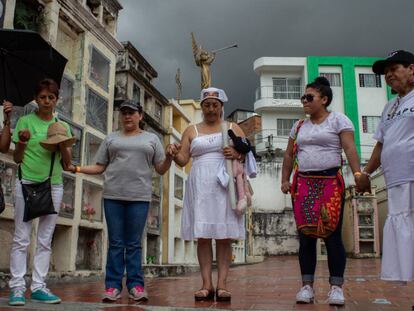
[(270, 285)]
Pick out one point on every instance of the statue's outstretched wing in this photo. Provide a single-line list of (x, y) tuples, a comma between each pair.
[(196, 50), (194, 43)]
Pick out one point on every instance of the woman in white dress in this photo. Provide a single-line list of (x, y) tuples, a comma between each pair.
[(207, 213)]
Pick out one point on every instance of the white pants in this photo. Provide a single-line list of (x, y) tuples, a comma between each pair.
[(21, 240), (398, 235)]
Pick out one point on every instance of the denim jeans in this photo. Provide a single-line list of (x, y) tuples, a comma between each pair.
[(126, 222)]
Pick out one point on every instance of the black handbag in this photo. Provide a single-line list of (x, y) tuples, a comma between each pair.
[(38, 196)]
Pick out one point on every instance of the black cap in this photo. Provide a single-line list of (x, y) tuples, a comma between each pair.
[(131, 105), (396, 57)]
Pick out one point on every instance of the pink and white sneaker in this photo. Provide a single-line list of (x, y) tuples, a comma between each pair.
[(138, 293), (111, 295)]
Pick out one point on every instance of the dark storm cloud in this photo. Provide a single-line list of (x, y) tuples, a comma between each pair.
[(160, 30)]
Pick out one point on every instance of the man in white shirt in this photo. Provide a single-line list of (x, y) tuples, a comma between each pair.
[(394, 151)]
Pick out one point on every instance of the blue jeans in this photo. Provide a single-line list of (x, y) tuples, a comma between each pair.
[(126, 222)]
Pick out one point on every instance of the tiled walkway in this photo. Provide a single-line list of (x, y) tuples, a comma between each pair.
[(270, 285)]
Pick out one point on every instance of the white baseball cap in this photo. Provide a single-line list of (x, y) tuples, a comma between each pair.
[(213, 92)]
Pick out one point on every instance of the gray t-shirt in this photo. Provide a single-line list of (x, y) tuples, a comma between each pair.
[(319, 145), (129, 161), (396, 133)]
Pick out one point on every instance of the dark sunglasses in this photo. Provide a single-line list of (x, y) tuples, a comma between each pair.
[(308, 97)]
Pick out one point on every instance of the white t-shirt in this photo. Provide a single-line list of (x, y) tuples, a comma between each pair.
[(319, 145), (397, 136)]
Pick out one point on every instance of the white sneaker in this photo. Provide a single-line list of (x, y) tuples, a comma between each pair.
[(305, 295), (336, 296)]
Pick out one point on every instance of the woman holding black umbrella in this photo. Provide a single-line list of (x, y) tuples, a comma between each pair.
[(36, 163)]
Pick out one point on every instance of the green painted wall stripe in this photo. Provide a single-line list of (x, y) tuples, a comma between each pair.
[(389, 94), (348, 65)]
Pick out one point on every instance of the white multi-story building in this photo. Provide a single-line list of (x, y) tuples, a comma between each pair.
[(358, 93)]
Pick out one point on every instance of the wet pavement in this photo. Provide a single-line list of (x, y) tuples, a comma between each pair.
[(270, 285)]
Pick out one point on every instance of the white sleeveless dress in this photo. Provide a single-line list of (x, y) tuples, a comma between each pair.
[(207, 212)]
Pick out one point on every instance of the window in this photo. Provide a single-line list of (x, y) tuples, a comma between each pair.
[(93, 7), (77, 147), (369, 80), (92, 144), (67, 207), (178, 187), (156, 184), (284, 126), (259, 137), (65, 104), (132, 62), (99, 68), (370, 124), (136, 93), (153, 218), (96, 110), (91, 201), (286, 88), (333, 78), (157, 111), (77, 132), (8, 180)]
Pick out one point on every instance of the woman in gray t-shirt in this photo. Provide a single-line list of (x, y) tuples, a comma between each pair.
[(314, 150), (127, 158)]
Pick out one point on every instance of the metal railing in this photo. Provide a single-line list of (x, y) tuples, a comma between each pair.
[(292, 92), (272, 135)]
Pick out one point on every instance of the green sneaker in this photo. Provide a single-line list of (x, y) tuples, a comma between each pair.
[(44, 295), (16, 297)]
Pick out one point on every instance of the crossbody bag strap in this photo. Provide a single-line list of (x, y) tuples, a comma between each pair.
[(295, 144), (53, 158), (52, 162), (295, 160), (19, 170)]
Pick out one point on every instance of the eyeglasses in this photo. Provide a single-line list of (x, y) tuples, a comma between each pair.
[(308, 97)]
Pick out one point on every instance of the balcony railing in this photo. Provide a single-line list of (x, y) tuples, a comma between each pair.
[(292, 92), (277, 135), (271, 139)]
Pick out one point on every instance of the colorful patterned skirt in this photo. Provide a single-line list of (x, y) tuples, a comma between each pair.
[(317, 198)]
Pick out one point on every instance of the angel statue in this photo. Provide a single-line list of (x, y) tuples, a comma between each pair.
[(203, 59)]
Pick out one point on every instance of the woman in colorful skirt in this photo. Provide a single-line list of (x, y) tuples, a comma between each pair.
[(314, 153)]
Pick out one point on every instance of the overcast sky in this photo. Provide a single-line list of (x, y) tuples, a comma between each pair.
[(160, 30)]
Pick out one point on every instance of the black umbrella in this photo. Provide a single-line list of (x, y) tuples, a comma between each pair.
[(25, 59)]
